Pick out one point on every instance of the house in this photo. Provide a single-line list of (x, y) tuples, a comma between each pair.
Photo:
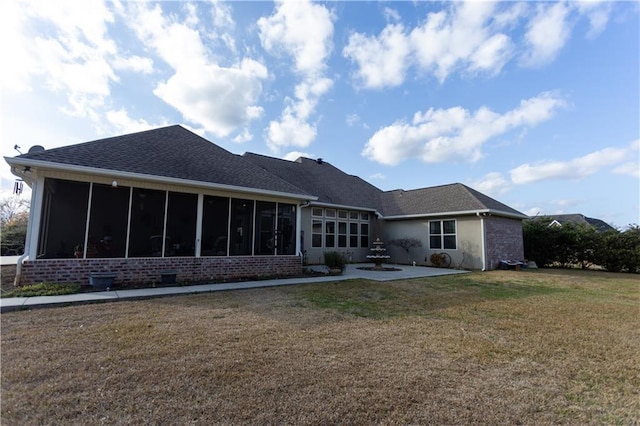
[(167, 198), (578, 219)]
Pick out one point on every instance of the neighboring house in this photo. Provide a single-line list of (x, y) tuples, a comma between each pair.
[(169, 199), (561, 219)]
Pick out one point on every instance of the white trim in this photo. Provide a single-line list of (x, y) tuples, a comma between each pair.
[(457, 213), (199, 217), (164, 227), (229, 236), (86, 225), (35, 217), (340, 206), (298, 230), (152, 178), (126, 249)]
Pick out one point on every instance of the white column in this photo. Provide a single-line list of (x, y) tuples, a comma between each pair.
[(199, 215), (298, 229), (35, 216)]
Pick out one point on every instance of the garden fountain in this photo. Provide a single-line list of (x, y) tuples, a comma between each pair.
[(378, 255)]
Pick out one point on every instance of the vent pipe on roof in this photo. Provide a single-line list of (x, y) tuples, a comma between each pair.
[(319, 161)]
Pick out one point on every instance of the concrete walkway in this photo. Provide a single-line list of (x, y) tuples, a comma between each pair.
[(351, 272)]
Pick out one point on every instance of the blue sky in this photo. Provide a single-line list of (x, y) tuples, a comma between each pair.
[(534, 103)]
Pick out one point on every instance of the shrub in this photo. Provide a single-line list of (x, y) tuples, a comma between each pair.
[(334, 260), (43, 289)]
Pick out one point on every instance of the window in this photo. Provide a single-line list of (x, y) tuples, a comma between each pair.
[(108, 220), (364, 235), (342, 214), (147, 223), (330, 213), (241, 227), (330, 234), (342, 234), (181, 224), (353, 215), (442, 234), (215, 226), (265, 228), (64, 219), (286, 229), (353, 234), (316, 211), (316, 233)]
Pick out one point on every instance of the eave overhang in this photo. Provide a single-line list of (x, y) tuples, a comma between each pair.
[(483, 212), (17, 163)]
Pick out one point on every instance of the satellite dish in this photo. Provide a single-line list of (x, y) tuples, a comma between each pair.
[(36, 148)]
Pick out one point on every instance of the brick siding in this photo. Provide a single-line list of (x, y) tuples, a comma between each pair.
[(503, 240), (147, 270)]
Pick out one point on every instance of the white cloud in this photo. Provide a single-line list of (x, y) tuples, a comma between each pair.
[(492, 184), (597, 11), (73, 60), (547, 33), (630, 169), (120, 120), (391, 14), (469, 37), (381, 60), (461, 38), (352, 120), (576, 168), (244, 136), (439, 135), (290, 131), (134, 63), (219, 98), (304, 31), (294, 155)]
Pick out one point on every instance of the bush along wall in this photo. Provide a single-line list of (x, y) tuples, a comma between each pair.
[(572, 245)]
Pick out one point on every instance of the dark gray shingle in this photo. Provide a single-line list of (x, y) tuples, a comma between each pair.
[(454, 197), (172, 152), (320, 178)]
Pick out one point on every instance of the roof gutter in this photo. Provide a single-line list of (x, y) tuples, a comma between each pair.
[(341, 206), (458, 213), (13, 162)]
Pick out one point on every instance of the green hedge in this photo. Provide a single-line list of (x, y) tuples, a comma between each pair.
[(577, 244)]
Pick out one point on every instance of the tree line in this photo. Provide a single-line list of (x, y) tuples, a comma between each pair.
[(581, 245), (14, 215)]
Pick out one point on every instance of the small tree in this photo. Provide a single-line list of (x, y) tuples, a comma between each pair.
[(14, 215), (406, 244)]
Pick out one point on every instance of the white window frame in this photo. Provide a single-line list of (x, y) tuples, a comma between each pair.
[(442, 234)]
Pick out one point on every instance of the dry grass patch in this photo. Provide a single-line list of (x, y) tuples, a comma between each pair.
[(500, 347)]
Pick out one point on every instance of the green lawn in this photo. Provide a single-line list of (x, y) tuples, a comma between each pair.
[(501, 347)]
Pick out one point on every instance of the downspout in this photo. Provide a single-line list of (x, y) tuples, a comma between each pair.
[(482, 238), (27, 242)]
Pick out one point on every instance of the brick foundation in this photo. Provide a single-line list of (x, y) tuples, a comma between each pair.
[(147, 270), (504, 240)]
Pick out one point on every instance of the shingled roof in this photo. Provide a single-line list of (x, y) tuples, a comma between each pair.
[(174, 152), (598, 224), (170, 152), (450, 198), (330, 184)]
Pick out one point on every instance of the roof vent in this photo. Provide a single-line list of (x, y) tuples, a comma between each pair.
[(319, 161), (36, 148)]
